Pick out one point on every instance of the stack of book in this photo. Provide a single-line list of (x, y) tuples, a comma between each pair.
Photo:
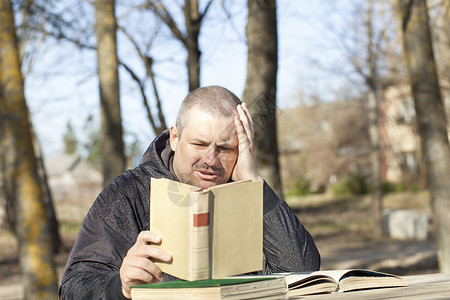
[(274, 286), (216, 233), (226, 288)]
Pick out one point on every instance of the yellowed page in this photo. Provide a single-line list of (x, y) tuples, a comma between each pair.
[(169, 217), (237, 228)]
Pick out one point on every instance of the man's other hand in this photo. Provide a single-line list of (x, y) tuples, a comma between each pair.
[(245, 165)]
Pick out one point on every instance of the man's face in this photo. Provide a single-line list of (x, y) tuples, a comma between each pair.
[(206, 151)]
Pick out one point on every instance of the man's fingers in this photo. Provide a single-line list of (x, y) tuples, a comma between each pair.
[(245, 164), (249, 121), (149, 251), (242, 136), (138, 265), (146, 237), (144, 270), (141, 275), (138, 271), (144, 248), (244, 129), (245, 118)]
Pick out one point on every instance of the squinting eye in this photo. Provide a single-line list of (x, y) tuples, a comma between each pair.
[(222, 149), (199, 145)]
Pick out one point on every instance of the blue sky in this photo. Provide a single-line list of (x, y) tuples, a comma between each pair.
[(63, 84)]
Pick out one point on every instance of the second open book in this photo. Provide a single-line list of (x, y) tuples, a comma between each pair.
[(338, 281), (211, 233)]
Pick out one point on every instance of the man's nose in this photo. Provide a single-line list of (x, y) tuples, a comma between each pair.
[(210, 156)]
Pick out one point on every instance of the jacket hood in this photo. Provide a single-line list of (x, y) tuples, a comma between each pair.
[(159, 156)]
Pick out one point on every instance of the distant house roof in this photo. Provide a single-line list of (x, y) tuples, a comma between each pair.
[(58, 165), (73, 164)]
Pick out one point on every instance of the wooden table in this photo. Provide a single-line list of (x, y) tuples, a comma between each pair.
[(429, 286)]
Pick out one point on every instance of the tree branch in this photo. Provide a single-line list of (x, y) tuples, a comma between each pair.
[(160, 10), (148, 62), (144, 97)]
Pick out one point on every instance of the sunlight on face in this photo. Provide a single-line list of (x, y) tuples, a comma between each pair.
[(207, 150)]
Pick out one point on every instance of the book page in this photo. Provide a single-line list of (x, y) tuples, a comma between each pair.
[(338, 275), (302, 283), (295, 279), (169, 217), (362, 279), (237, 228)]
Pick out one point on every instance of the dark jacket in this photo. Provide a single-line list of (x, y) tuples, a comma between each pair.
[(121, 212)]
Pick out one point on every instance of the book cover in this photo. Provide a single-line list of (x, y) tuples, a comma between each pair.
[(226, 288), (211, 233)]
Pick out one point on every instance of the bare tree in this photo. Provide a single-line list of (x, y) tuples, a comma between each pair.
[(111, 140), (193, 18), (261, 87), (48, 197), (374, 120), (19, 163), (431, 118), (30, 18), (157, 121), (439, 13), (364, 42)]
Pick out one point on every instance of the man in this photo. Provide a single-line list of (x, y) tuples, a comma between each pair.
[(211, 144)]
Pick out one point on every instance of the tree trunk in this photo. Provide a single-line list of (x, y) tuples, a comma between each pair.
[(377, 172), (193, 21), (7, 185), (261, 87), (374, 123), (48, 199), (111, 140), (18, 156), (431, 118)]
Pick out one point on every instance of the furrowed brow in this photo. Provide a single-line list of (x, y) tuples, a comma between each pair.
[(198, 141)]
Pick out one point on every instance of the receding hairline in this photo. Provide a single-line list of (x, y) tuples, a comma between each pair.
[(215, 100)]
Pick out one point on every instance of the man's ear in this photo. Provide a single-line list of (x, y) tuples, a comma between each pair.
[(173, 137)]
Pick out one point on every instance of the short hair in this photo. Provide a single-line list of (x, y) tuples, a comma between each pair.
[(215, 100)]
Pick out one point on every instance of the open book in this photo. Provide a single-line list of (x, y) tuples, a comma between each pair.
[(339, 281), (227, 288), (211, 233)]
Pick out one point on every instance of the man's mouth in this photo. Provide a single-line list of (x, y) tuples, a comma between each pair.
[(207, 175)]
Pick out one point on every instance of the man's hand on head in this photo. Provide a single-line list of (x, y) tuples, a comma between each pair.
[(138, 267), (245, 165)]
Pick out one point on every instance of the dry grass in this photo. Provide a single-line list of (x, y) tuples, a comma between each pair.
[(343, 229)]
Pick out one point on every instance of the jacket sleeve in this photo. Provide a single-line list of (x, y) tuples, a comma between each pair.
[(288, 246), (109, 230)]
